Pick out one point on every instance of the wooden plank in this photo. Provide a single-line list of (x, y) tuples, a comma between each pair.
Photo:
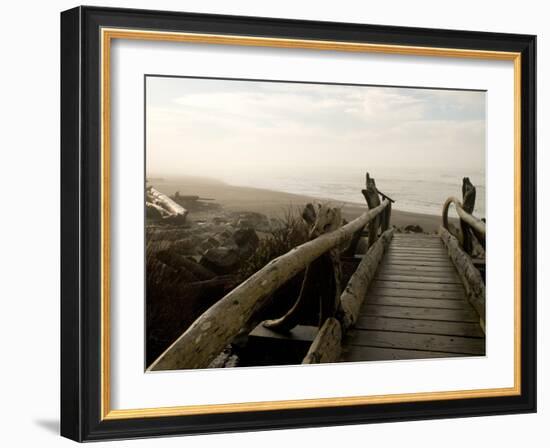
[(412, 268), (430, 273), (435, 276), (426, 246), (396, 292), (433, 241), (419, 302), (424, 249), (418, 249), (418, 252), (417, 341), (415, 259), (419, 278), (413, 255), (401, 262), (403, 312), (416, 236), (421, 248), (358, 353), (470, 329), (421, 286), (414, 239)]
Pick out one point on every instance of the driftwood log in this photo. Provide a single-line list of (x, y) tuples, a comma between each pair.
[(327, 345), (173, 210), (353, 296), (373, 200), (474, 222), (468, 204), (383, 221), (470, 226), (321, 281), (215, 328), (469, 275)]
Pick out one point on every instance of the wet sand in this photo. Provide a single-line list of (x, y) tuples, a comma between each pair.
[(276, 203)]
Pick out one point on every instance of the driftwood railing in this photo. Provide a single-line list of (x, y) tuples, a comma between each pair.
[(320, 258), (461, 245)]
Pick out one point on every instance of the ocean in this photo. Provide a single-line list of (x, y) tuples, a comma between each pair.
[(413, 189)]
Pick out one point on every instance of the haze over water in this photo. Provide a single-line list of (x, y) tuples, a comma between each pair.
[(319, 139), (414, 190)]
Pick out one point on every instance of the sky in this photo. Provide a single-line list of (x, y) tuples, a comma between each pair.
[(206, 127)]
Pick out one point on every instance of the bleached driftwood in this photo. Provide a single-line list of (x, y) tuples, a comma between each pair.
[(471, 220), (373, 200), (383, 221), (321, 281), (468, 204), (353, 296), (215, 328), (469, 224), (155, 211), (326, 346), (470, 276), (172, 209)]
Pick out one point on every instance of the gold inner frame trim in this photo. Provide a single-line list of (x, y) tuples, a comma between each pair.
[(107, 35)]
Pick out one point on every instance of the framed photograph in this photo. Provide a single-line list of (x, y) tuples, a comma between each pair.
[(273, 223)]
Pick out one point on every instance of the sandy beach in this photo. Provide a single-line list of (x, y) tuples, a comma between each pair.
[(275, 203)]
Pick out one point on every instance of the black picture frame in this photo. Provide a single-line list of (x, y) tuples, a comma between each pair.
[(81, 224)]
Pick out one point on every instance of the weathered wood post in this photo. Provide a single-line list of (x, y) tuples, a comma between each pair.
[(386, 217), (468, 203), (322, 277), (373, 200)]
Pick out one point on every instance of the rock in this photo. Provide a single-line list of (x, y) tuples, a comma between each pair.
[(176, 219), (153, 212), (247, 241), (157, 233), (254, 220), (205, 246), (244, 237), (415, 228), (221, 260), (168, 268), (219, 220), (185, 245), (226, 233), (185, 264), (213, 241)]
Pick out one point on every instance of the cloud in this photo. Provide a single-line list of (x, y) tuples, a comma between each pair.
[(239, 125)]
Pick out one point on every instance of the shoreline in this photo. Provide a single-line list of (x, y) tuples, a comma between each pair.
[(274, 203)]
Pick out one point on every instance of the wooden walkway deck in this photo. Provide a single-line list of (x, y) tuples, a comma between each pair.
[(416, 307)]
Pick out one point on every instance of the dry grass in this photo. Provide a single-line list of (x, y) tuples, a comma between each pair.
[(291, 232)]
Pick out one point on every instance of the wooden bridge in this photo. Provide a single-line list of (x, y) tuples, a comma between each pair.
[(416, 307), (410, 296)]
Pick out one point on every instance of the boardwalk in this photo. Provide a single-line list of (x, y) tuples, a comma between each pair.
[(411, 296), (415, 308)]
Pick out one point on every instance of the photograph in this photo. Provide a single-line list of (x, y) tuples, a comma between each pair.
[(296, 223)]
